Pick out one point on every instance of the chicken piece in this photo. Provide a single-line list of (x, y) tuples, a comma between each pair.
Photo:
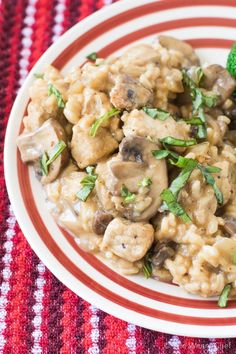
[(140, 55), (129, 93), (129, 168), (33, 145), (139, 123), (219, 80), (190, 58), (87, 150), (128, 240)]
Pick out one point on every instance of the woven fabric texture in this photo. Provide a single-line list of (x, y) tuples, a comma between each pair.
[(38, 314)]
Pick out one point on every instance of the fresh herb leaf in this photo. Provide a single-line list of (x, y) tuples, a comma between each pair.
[(39, 75), (156, 113), (92, 56), (88, 184), (212, 169), (43, 164), (84, 193), (94, 128), (211, 181), (179, 182), (46, 160), (210, 100), (234, 258), (173, 206), (56, 151), (52, 90), (90, 170), (127, 195), (199, 100), (160, 154), (147, 265), (194, 121), (146, 182), (231, 61), (223, 299), (169, 140), (199, 75)]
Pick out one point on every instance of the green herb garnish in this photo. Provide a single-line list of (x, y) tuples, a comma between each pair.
[(194, 121), (127, 195), (147, 265), (209, 179), (156, 113), (179, 182), (46, 160), (231, 61), (173, 206), (94, 128), (39, 75), (43, 164), (160, 154), (92, 56), (199, 100), (52, 90), (169, 140), (88, 184), (56, 151), (146, 182), (223, 299)]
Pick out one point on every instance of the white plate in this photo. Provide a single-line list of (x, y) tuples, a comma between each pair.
[(211, 29)]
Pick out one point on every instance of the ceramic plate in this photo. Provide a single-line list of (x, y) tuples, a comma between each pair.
[(210, 27)]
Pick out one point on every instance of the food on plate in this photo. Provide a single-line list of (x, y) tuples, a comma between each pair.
[(137, 157)]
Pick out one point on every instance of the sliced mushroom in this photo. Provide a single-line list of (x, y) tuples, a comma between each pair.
[(128, 93), (134, 163), (162, 251), (128, 240), (218, 79), (100, 221), (189, 56), (33, 145), (229, 225)]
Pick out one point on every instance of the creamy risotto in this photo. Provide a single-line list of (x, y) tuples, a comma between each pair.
[(137, 157)]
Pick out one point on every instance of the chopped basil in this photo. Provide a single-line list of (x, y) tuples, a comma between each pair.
[(199, 75), (169, 140), (127, 195), (160, 154), (147, 265), (52, 90), (46, 160), (90, 170), (43, 164), (88, 184), (102, 119), (92, 56), (234, 258), (210, 100), (179, 182), (146, 182), (223, 299), (194, 121), (173, 206), (56, 151), (211, 181), (199, 100), (39, 75), (212, 169), (156, 113)]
